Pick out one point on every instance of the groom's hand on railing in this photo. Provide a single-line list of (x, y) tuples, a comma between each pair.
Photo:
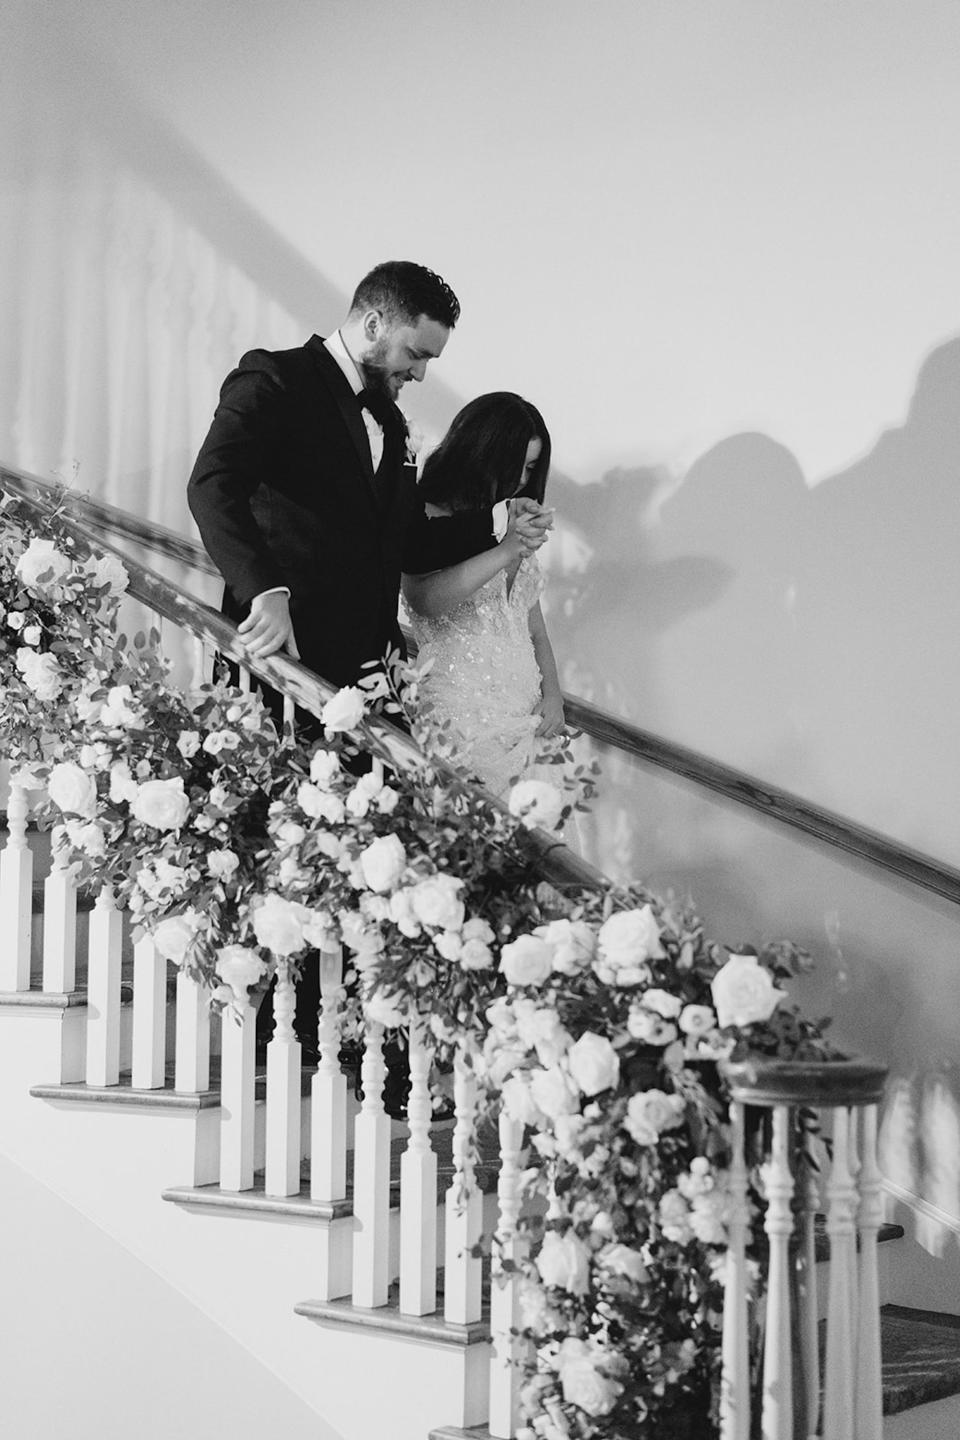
[(268, 628)]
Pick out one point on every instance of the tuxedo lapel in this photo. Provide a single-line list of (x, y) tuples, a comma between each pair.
[(346, 403)]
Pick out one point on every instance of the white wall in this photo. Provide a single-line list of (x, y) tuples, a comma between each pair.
[(715, 243)]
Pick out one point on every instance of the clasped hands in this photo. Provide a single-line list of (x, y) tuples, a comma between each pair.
[(529, 523)]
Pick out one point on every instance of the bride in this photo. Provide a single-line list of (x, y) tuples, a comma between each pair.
[(473, 595)]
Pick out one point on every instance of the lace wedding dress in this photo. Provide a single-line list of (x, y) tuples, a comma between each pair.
[(484, 680)]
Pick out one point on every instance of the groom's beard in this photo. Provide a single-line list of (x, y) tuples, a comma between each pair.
[(376, 376)]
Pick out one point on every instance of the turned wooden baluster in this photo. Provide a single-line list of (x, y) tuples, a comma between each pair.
[(807, 1285), (237, 1097), (508, 1351), (735, 1381), (869, 1416), (328, 1096), (283, 1092), (777, 1352), (418, 1188), (371, 1180), (464, 1207), (192, 1046), (838, 1398), (149, 1016), (16, 895), (59, 925), (103, 991)]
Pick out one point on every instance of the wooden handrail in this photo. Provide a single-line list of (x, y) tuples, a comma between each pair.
[(550, 856), (786, 809)]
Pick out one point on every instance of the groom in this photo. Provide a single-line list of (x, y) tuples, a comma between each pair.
[(304, 487), (303, 490)]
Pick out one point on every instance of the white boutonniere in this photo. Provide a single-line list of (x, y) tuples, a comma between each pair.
[(415, 440), (500, 516)]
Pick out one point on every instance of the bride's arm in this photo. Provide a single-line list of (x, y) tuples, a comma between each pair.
[(551, 699), (438, 591)]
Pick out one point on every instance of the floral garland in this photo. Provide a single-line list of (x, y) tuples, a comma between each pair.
[(593, 1018)]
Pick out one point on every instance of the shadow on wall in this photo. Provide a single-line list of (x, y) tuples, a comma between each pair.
[(805, 635)]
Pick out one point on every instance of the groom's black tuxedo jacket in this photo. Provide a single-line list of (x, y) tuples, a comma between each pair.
[(284, 493)]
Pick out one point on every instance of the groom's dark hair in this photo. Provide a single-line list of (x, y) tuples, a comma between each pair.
[(480, 459), (405, 291)]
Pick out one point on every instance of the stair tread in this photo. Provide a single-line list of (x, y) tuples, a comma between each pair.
[(921, 1357)]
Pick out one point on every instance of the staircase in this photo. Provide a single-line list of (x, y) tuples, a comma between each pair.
[(263, 1278)]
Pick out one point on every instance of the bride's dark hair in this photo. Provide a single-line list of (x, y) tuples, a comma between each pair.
[(480, 459)]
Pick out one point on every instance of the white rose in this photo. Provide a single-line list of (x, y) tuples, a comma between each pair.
[(278, 925), (290, 833), (173, 936), (662, 1002), (386, 1011), (383, 862), (649, 1028), (364, 940), (161, 804), (320, 805), (697, 1019), (526, 961), (188, 743), (72, 790), (42, 558), (594, 1063), (650, 1112), (31, 635), (15, 620), (536, 803), (91, 839), (582, 1382), (343, 711), (674, 1216), (564, 1262), (118, 708), (318, 928), (474, 955), (108, 570), (324, 767), (41, 674), (363, 794), (219, 740), (240, 967), (123, 787), (744, 992), (436, 902), (572, 943), (552, 1092), (401, 913), (222, 863), (500, 1016), (540, 1028), (448, 944), (626, 941), (622, 1260), (517, 1100), (388, 800)]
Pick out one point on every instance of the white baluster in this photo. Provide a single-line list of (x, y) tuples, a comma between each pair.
[(16, 897), (868, 1390), (777, 1356), (418, 1189), (464, 1205), (735, 1383), (289, 713), (237, 1098), (853, 1162), (192, 1050), (200, 672), (283, 1092), (245, 680), (328, 1094), (59, 926), (838, 1403), (506, 1361), (809, 1336), (103, 991), (371, 1180), (149, 1016)]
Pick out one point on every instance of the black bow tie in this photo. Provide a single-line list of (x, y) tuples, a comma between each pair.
[(380, 405)]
